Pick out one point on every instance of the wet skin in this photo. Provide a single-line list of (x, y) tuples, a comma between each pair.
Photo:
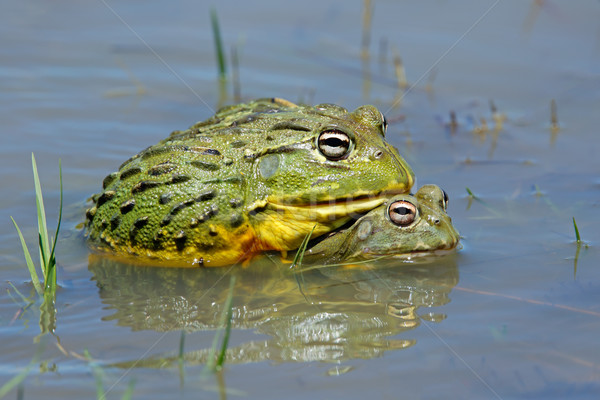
[(254, 177)]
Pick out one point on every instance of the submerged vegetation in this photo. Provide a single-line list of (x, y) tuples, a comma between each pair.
[(216, 361)]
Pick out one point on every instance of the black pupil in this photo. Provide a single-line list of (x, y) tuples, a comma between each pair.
[(402, 210), (335, 142)]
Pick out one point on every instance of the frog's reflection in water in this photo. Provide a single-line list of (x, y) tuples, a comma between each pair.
[(320, 314)]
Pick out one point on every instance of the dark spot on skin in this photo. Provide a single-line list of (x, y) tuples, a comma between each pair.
[(236, 220), (237, 144), (109, 179), (212, 231), (160, 169), (180, 206), (144, 185), (207, 195), (205, 165), (141, 222), (114, 222), (291, 125), (165, 198), (106, 196), (103, 224), (250, 154), (137, 225), (129, 173), (157, 240), (179, 178), (320, 181), (234, 179), (166, 220), (180, 240), (212, 152), (127, 206), (154, 151), (245, 120), (235, 202), (214, 210), (89, 214), (256, 211)]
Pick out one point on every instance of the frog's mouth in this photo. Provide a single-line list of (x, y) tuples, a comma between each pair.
[(332, 209)]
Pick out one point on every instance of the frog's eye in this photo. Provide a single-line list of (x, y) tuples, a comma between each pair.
[(384, 124), (334, 144), (402, 213)]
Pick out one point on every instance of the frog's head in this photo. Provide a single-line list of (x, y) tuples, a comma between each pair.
[(408, 224), (404, 225), (341, 164)]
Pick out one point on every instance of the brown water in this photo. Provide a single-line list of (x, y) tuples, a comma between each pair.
[(514, 314)]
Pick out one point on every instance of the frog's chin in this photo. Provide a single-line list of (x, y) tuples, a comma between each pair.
[(414, 256)]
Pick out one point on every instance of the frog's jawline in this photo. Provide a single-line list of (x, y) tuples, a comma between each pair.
[(338, 208)]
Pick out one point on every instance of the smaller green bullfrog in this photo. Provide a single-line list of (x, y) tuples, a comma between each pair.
[(403, 225)]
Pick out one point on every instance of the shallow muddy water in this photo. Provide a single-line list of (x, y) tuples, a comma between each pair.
[(515, 313)]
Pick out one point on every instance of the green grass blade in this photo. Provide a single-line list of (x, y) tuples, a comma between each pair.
[(483, 203), (50, 278), (128, 394), (214, 21), (42, 227), (16, 380), (229, 310), (24, 299), (576, 231), (34, 276), (302, 249)]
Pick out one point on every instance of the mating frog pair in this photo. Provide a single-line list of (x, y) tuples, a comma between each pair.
[(260, 176)]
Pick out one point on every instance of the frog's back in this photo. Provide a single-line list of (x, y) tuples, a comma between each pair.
[(187, 194)]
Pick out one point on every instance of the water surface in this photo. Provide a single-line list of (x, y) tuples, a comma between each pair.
[(514, 314)]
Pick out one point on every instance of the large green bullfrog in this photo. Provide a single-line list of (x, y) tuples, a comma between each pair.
[(403, 225), (254, 177)]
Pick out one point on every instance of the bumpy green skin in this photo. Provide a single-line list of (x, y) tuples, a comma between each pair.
[(375, 234), (249, 179)]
